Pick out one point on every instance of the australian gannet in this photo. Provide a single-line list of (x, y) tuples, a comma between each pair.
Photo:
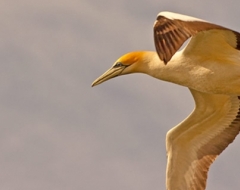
[(209, 66)]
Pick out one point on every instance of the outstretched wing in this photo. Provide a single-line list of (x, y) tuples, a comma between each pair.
[(171, 30), (194, 144)]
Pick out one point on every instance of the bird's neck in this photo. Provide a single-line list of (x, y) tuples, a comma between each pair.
[(174, 71)]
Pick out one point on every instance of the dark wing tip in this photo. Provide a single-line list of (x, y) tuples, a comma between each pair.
[(237, 40)]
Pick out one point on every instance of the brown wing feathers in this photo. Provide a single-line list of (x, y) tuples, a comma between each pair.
[(170, 34), (168, 37), (238, 40)]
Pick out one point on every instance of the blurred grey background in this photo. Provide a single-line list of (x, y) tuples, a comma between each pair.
[(58, 133)]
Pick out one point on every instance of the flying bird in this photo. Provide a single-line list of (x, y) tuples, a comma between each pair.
[(209, 65)]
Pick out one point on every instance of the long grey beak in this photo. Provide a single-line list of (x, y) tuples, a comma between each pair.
[(109, 74)]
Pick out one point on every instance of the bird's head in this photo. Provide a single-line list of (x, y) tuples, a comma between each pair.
[(128, 63)]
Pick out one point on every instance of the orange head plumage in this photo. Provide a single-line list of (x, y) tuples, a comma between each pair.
[(128, 63)]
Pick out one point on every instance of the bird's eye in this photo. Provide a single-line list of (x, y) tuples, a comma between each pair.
[(118, 64)]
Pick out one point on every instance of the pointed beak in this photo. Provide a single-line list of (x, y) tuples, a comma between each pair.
[(109, 74)]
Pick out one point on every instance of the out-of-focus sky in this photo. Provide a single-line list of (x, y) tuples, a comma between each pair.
[(56, 131)]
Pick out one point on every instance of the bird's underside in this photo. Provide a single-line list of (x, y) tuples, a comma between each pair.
[(194, 144)]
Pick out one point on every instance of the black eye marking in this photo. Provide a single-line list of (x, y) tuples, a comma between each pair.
[(118, 64)]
